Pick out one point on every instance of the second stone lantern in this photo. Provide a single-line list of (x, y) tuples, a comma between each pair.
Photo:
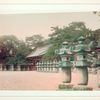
[(81, 51)]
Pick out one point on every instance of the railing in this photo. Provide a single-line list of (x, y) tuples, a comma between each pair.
[(50, 66), (21, 67)]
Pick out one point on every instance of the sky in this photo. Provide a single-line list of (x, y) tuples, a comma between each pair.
[(24, 25)]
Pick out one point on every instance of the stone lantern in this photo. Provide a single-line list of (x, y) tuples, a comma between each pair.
[(65, 64), (81, 63)]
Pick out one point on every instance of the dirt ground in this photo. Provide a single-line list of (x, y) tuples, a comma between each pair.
[(32, 80)]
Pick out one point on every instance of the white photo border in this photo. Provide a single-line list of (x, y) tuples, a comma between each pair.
[(48, 8)]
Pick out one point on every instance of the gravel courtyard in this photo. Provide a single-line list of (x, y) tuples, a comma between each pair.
[(32, 80)]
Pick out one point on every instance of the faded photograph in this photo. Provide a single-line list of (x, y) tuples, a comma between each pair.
[(50, 51)]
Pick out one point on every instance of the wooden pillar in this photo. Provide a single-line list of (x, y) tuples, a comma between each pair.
[(60, 70), (18, 67), (37, 68), (48, 69), (56, 69), (4, 68), (23, 68), (44, 69), (11, 67), (28, 68), (40, 69), (0, 67), (51, 69)]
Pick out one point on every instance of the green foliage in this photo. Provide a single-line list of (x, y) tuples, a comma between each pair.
[(68, 33), (16, 50), (50, 54), (35, 40), (97, 34), (9, 40), (22, 51)]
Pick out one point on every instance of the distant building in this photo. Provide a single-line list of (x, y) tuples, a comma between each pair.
[(39, 64), (36, 55)]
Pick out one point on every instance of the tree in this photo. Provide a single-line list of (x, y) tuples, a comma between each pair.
[(10, 42), (68, 33), (97, 31), (22, 51), (16, 50), (97, 34), (35, 40), (2, 52)]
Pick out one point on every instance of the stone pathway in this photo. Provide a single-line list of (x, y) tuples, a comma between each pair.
[(32, 80)]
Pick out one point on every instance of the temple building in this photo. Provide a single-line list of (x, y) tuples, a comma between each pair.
[(41, 65)]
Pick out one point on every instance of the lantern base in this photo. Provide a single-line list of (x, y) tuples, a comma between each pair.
[(65, 86), (82, 88)]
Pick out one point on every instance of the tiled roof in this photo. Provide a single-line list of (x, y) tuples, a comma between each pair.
[(39, 51)]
